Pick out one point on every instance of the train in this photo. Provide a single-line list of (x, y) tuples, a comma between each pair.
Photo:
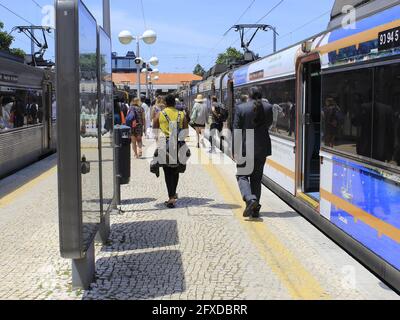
[(336, 129), (27, 115)]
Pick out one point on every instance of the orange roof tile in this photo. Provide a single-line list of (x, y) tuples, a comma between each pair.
[(165, 78)]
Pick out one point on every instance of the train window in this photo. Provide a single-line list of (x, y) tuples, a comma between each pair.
[(347, 111), (20, 108), (282, 96), (386, 115)]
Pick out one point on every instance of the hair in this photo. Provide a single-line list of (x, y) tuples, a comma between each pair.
[(214, 99), (256, 96), (244, 98), (147, 101), (160, 100), (136, 102), (170, 100)]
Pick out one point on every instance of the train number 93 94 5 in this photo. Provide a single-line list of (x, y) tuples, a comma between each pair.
[(389, 39)]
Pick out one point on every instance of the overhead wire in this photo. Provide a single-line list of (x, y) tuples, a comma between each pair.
[(298, 28), (144, 16), (22, 18), (237, 21), (262, 18), (37, 4)]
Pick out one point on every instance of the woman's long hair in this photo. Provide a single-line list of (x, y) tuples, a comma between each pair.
[(256, 96)]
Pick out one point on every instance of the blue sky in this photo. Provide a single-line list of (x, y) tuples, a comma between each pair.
[(189, 31)]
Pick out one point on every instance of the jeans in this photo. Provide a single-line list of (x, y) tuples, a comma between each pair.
[(250, 186), (172, 180)]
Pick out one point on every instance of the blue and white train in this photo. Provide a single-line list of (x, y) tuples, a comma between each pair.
[(336, 130)]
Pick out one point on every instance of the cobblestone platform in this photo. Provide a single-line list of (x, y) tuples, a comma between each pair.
[(203, 249)]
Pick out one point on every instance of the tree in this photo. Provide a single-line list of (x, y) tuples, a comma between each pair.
[(229, 56), (199, 70), (6, 41)]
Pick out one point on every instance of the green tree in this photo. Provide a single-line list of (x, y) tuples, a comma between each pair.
[(18, 52), (6, 41), (199, 70), (229, 56)]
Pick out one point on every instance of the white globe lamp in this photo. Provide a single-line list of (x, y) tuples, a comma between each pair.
[(156, 71), (125, 37), (154, 61), (149, 37)]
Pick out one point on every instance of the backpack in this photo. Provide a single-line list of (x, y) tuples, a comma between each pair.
[(132, 119), (223, 113), (180, 166)]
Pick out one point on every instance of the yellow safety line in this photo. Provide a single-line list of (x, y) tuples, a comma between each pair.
[(11, 197), (308, 199), (300, 284)]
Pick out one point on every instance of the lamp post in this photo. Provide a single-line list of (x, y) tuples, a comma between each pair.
[(149, 37), (153, 61)]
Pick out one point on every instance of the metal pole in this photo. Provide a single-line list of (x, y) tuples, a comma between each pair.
[(104, 227), (33, 47), (274, 30), (147, 83), (107, 17), (138, 66)]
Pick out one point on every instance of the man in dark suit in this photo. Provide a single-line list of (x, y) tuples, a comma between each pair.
[(253, 120)]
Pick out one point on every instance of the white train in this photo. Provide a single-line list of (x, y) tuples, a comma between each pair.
[(336, 131)]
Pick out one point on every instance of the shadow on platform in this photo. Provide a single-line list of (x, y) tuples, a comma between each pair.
[(273, 215), (143, 235), (138, 276)]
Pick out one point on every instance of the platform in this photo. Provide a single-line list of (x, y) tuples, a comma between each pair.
[(204, 249)]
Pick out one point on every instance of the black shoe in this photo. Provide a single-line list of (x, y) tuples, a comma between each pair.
[(256, 213), (251, 208), (171, 205)]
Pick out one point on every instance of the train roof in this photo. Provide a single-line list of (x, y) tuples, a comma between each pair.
[(364, 8), (337, 45), (17, 74)]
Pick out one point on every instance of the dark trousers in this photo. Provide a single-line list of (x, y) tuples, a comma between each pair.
[(215, 130), (250, 186), (172, 180)]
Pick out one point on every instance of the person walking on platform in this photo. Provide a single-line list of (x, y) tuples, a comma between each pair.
[(165, 121), (217, 122), (138, 128), (199, 118), (256, 115)]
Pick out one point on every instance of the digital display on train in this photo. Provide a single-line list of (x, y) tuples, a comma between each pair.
[(89, 115)]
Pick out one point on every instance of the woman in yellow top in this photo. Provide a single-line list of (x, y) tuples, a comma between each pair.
[(161, 122)]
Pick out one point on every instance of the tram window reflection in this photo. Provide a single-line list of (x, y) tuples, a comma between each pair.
[(386, 115), (20, 108), (282, 97), (347, 112)]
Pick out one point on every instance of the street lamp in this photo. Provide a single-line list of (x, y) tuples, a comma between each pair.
[(148, 37), (153, 61)]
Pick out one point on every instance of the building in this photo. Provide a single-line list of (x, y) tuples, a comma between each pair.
[(167, 83), (123, 63)]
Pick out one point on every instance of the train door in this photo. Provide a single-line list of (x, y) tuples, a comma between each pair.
[(310, 134), (47, 132)]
